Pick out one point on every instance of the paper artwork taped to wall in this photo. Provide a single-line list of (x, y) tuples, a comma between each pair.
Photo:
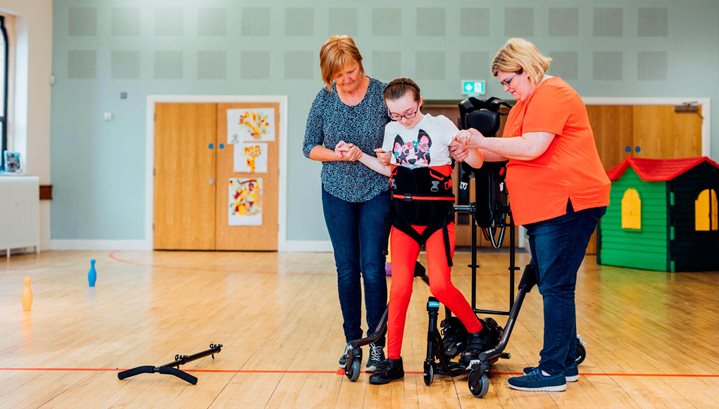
[(250, 125), (245, 197), (251, 157)]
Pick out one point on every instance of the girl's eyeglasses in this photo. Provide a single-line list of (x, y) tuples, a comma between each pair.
[(409, 115)]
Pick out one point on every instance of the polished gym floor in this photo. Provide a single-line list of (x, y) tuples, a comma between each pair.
[(651, 337)]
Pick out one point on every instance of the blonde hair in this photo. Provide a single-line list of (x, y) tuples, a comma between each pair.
[(336, 52), (519, 54)]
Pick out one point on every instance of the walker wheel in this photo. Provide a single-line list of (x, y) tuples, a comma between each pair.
[(581, 351), (352, 366), (355, 371), (478, 383), (428, 373)]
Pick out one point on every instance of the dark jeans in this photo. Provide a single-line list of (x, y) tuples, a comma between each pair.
[(558, 246), (358, 232)]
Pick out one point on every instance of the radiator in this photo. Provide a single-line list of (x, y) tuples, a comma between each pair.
[(19, 212)]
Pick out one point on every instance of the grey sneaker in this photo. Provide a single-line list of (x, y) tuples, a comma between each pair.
[(376, 355), (343, 358)]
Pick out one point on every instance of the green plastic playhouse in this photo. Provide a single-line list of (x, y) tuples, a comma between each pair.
[(662, 216)]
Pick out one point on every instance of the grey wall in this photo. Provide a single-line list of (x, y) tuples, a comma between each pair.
[(105, 47)]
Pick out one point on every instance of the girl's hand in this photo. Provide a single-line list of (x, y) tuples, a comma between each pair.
[(459, 151), (383, 156), (352, 153), (341, 148), (347, 152)]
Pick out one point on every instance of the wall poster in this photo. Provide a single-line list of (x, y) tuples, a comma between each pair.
[(250, 125), (245, 202), (250, 157)]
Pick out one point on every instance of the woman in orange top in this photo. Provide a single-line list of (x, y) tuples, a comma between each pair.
[(558, 190)]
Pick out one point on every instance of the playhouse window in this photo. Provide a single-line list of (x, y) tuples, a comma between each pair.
[(631, 210), (705, 211)]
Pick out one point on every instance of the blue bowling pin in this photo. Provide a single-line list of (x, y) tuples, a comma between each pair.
[(92, 274)]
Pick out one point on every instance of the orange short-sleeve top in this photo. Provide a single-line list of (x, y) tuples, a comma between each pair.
[(569, 169)]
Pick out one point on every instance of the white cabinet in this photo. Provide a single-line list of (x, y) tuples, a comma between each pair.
[(19, 212)]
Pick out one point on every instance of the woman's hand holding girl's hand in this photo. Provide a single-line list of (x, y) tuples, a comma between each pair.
[(341, 148), (348, 152), (383, 156), (458, 150)]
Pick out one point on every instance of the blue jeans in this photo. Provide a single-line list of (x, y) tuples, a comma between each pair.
[(558, 246), (359, 233)]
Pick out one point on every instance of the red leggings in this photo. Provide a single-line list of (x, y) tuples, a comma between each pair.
[(404, 255)]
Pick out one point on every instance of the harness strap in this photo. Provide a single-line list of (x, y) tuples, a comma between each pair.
[(421, 239), (445, 233), (409, 197)]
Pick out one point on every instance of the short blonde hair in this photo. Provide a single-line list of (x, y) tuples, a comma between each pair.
[(520, 54), (336, 52)]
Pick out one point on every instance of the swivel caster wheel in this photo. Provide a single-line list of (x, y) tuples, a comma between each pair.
[(428, 373), (478, 383), (581, 351), (352, 366)]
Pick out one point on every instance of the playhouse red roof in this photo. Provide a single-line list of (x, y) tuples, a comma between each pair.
[(657, 170)]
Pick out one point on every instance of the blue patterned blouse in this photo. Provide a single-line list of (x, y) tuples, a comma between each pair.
[(331, 121)]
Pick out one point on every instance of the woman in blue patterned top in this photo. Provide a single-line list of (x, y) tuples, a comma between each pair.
[(350, 110)]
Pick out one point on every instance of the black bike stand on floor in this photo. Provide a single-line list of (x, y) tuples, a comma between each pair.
[(173, 368)]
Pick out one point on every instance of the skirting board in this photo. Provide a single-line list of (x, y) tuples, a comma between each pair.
[(127, 245), (306, 246), (291, 246), (296, 246)]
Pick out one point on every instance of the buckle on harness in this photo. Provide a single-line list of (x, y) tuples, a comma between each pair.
[(407, 197)]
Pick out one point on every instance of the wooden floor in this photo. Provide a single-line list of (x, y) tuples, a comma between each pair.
[(652, 338)]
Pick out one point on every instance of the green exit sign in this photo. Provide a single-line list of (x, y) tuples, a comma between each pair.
[(473, 87)]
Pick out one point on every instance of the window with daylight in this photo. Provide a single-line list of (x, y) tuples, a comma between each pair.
[(4, 81)]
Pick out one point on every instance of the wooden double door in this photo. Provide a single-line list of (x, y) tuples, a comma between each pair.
[(645, 131), (194, 166)]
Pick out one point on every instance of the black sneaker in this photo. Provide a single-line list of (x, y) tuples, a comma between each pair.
[(343, 358), (376, 355), (476, 343), (387, 371)]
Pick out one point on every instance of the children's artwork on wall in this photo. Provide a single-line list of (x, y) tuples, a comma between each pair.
[(245, 202), (250, 125), (251, 157)]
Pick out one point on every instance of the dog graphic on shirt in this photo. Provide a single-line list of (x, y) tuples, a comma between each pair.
[(413, 153)]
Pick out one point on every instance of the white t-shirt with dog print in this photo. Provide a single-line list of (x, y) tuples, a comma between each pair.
[(426, 144)]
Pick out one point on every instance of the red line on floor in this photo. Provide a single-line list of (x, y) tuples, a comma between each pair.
[(341, 372), (63, 369)]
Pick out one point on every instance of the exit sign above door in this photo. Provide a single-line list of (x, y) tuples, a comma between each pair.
[(473, 87)]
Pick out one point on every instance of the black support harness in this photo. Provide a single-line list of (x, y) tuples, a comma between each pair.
[(423, 197)]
